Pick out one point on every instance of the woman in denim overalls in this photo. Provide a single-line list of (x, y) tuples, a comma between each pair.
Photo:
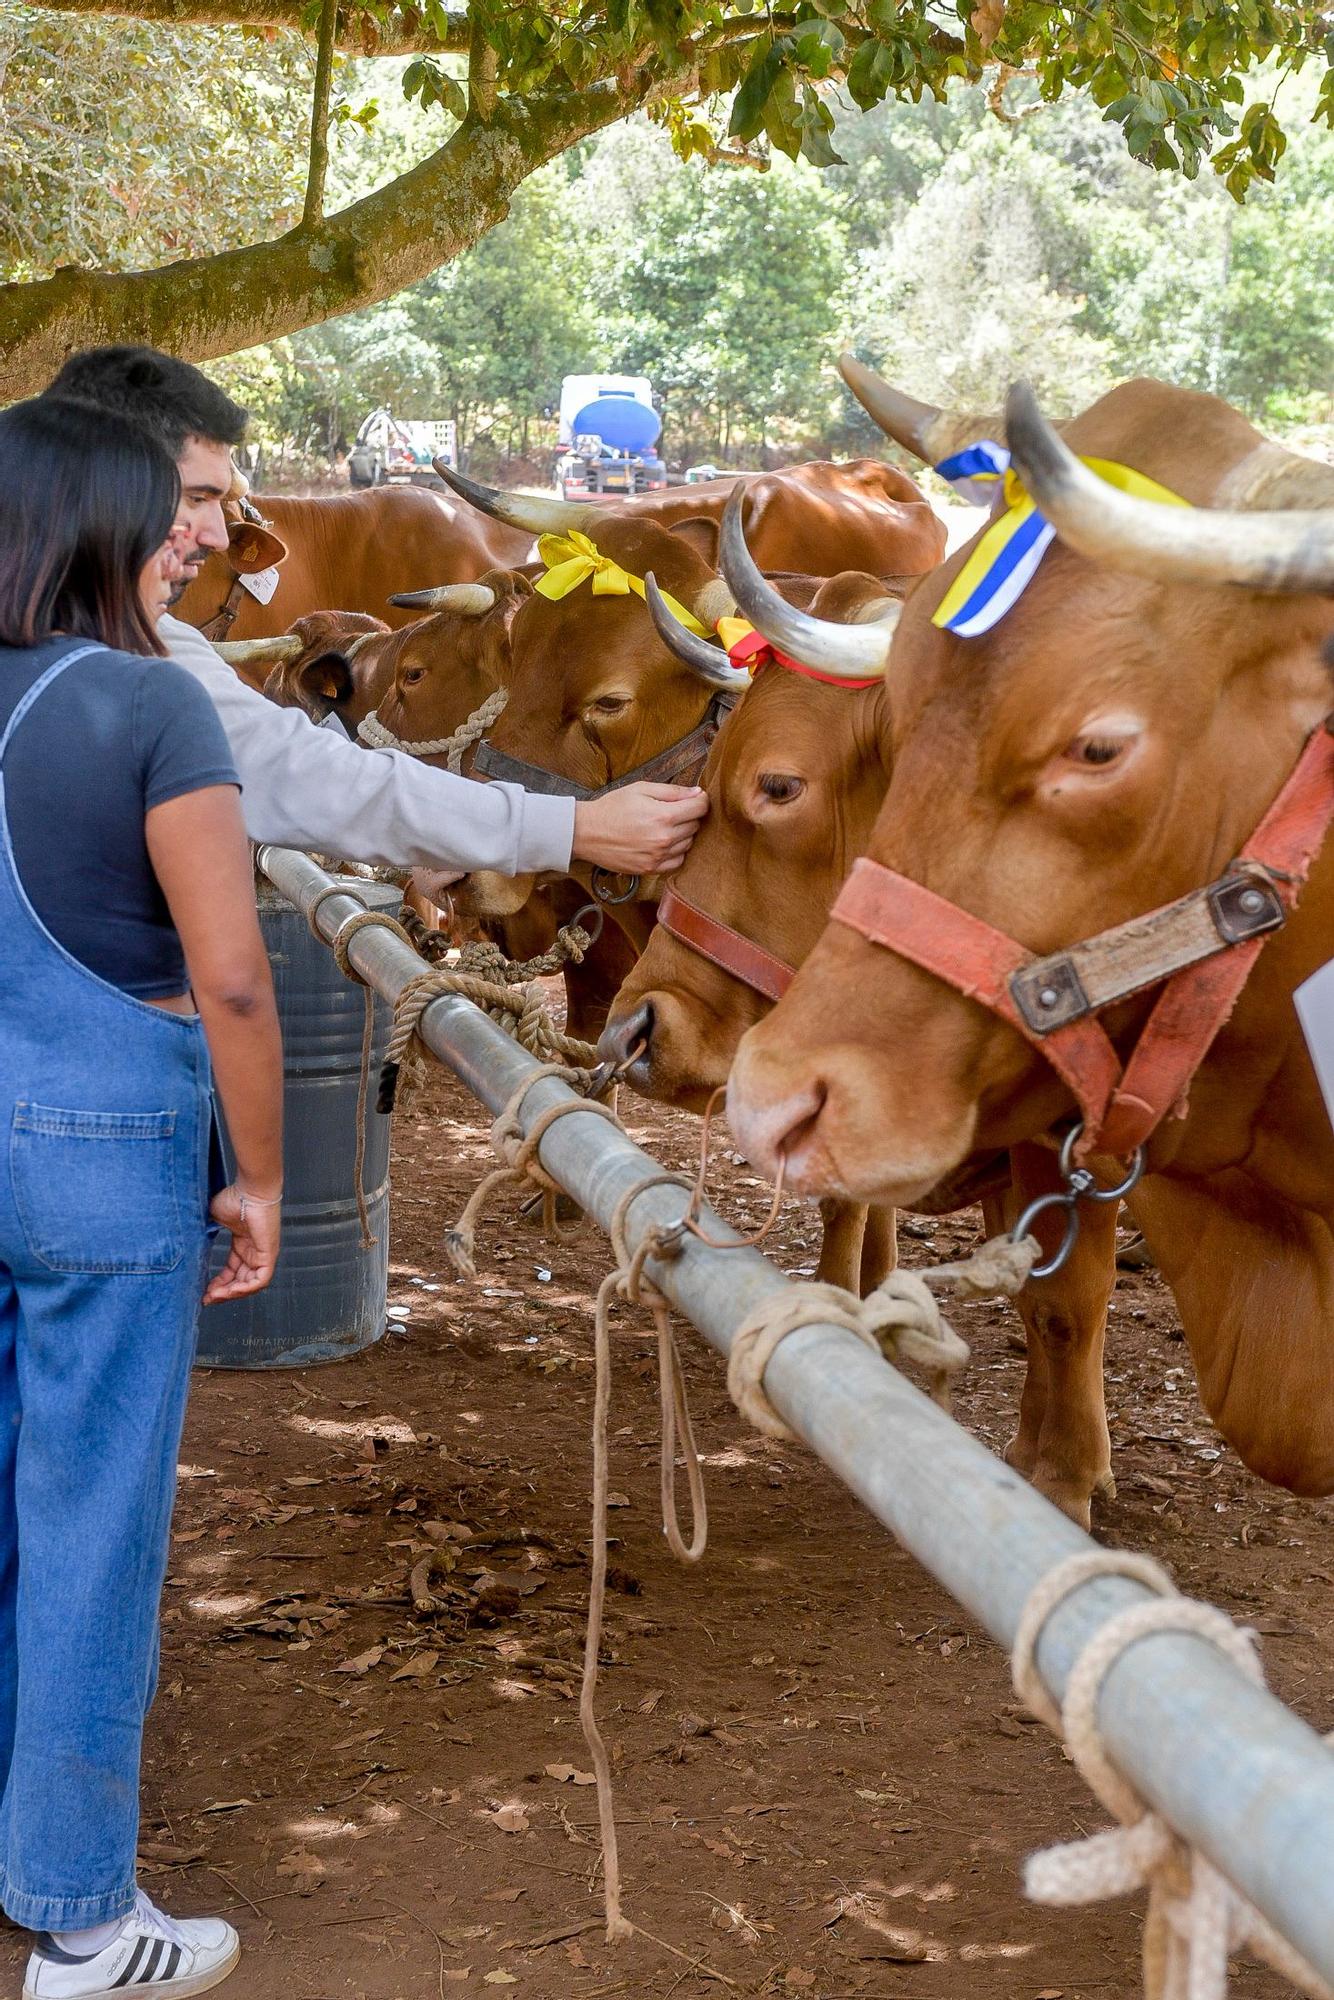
[(105, 1130)]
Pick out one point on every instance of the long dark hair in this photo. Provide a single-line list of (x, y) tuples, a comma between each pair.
[(86, 497)]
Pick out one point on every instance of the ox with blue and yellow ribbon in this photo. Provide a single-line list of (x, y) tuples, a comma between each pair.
[(1007, 556)]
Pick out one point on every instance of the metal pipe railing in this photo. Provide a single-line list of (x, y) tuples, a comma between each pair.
[(1233, 1770)]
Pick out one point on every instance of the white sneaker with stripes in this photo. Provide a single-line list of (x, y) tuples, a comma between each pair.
[(153, 1954)]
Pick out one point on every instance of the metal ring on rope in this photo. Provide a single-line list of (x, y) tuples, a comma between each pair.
[(1080, 1185), (602, 881)]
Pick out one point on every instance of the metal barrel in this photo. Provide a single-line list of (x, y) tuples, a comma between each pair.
[(328, 1294)]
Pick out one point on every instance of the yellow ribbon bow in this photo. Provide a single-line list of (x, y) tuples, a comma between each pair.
[(571, 558)]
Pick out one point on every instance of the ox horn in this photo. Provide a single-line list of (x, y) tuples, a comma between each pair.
[(260, 652), (520, 510), (921, 428), (470, 600), (710, 662), (1278, 551), (848, 652)]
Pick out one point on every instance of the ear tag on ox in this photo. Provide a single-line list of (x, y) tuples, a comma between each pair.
[(262, 584), (1314, 1001)]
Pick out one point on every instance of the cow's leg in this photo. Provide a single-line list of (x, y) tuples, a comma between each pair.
[(880, 1246), (1062, 1444), (844, 1225)]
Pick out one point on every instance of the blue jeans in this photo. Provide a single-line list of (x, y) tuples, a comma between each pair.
[(104, 1131), (94, 1368)]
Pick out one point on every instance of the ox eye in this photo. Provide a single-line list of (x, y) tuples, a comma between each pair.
[(781, 787), (610, 704), (1095, 752), (413, 676)]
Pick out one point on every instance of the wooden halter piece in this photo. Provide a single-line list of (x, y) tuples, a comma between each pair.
[(1200, 948)]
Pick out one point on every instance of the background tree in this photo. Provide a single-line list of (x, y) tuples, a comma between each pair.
[(522, 84)]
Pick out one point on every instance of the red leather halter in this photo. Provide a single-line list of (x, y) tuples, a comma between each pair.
[(1201, 948), (722, 946)]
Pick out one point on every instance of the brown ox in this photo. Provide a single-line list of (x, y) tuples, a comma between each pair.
[(341, 663), (441, 671), (349, 550), (594, 695), (815, 519), (1111, 744), (795, 781)]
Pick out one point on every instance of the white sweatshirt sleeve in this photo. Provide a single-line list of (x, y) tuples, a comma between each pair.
[(302, 786)]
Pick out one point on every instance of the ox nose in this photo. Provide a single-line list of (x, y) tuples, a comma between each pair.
[(775, 1118), (627, 1040)]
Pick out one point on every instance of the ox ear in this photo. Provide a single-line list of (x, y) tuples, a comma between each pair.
[(251, 548), (927, 432), (325, 682), (700, 533), (1268, 551), (708, 661), (848, 652)]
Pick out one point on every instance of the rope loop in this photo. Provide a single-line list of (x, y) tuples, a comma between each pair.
[(1196, 1919), (900, 1319), (453, 748)]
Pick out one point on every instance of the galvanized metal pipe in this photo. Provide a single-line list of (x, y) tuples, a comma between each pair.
[(1229, 1766)]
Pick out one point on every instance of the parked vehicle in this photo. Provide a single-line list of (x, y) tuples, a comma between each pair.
[(400, 448), (608, 433)]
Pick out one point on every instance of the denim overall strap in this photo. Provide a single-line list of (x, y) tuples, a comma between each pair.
[(103, 1143), (39, 687)]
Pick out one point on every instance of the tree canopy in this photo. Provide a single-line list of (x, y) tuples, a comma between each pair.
[(511, 86)]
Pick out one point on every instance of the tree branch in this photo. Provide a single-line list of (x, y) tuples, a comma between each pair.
[(357, 34), (483, 70), (313, 212), (216, 305)]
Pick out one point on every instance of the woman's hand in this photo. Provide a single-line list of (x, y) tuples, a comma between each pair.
[(256, 1228)]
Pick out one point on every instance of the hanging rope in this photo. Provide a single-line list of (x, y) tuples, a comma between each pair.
[(1195, 1917), (628, 1283)]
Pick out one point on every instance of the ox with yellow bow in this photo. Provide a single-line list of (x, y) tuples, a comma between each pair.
[(572, 558)]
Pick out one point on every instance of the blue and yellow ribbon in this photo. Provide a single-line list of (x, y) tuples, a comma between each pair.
[(572, 558), (975, 472), (1008, 553)]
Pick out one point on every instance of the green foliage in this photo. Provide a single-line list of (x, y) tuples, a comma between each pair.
[(101, 164), (951, 250)]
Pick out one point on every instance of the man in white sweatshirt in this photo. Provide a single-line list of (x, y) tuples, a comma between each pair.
[(303, 786)]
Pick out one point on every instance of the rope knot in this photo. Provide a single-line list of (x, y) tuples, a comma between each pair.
[(900, 1319), (1195, 1918)]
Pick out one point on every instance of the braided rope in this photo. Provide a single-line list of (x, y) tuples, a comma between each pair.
[(1195, 1917), (453, 748), (519, 1009)]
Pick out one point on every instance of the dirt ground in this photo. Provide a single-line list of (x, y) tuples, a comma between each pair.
[(824, 1785)]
